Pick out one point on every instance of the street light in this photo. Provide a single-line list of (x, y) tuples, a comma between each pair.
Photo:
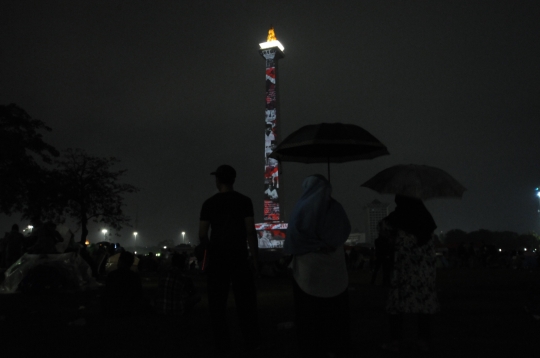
[(538, 195), (183, 237), (104, 231), (135, 235)]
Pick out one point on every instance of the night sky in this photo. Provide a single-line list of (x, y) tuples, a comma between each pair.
[(175, 88)]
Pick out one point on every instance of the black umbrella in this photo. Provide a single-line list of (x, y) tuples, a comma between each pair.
[(329, 143), (417, 181)]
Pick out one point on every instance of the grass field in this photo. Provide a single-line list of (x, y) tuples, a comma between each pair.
[(482, 315)]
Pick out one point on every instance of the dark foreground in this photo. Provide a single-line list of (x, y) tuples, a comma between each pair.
[(482, 316)]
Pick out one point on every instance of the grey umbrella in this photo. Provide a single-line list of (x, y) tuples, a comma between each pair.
[(417, 181), (329, 143)]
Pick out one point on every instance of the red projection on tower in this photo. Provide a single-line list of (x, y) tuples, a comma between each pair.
[(272, 231)]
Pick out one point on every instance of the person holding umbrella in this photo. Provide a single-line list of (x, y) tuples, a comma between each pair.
[(410, 227), (318, 228), (412, 288)]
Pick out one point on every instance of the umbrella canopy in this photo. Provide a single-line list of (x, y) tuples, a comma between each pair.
[(329, 142), (417, 181)]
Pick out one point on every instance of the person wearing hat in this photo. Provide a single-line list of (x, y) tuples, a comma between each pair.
[(228, 217)]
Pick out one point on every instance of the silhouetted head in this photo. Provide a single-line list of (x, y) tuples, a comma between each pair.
[(126, 260), (412, 216), (225, 174)]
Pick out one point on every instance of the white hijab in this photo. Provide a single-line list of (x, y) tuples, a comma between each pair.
[(317, 219)]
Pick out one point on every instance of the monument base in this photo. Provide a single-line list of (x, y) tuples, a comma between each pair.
[(271, 235)]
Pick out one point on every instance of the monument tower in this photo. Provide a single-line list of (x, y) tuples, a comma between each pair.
[(273, 227)]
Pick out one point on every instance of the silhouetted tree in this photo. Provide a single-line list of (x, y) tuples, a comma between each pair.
[(44, 196), (91, 190), (481, 236), (504, 239), (22, 153), (454, 237)]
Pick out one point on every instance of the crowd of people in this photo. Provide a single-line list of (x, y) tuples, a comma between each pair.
[(318, 229), (380, 257), (43, 239), (481, 255), (317, 259), (123, 294)]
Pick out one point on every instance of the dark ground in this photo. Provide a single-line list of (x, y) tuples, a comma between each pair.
[(482, 316)]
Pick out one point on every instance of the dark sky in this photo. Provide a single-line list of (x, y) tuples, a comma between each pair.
[(176, 88)]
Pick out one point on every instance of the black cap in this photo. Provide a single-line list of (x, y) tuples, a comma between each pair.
[(225, 172)]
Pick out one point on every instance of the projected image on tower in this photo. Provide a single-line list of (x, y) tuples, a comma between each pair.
[(270, 235)]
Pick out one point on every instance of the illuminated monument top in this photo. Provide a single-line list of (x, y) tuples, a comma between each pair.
[(272, 231), (272, 41)]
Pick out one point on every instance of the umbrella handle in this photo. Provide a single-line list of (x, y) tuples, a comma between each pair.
[(329, 169)]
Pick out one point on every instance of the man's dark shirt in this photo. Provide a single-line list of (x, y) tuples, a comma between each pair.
[(226, 213)]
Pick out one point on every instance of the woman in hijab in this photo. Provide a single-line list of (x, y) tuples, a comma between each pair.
[(318, 228), (412, 289)]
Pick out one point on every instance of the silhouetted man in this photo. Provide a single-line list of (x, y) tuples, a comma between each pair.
[(47, 238), (229, 216)]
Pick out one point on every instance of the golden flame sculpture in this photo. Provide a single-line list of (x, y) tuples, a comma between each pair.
[(271, 41), (271, 35)]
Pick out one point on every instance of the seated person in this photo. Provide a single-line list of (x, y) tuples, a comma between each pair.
[(123, 289), (148, 264), (45, 237), (176, 292)]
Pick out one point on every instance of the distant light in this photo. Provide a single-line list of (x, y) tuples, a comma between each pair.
[(183, 232), (164, 247), (500, 250), (104, 231), (525, 249), (538, 194), (135, 252), (30, 227), (87, 242)]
